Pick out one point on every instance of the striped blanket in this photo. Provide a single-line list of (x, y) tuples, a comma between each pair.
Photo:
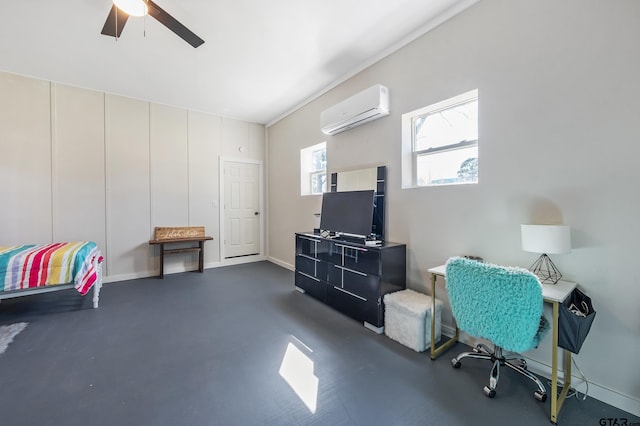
[(30, 266)]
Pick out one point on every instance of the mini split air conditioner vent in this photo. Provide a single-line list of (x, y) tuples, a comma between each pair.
[(368, 105)]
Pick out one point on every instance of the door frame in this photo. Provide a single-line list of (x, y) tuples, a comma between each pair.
[(221, 168)]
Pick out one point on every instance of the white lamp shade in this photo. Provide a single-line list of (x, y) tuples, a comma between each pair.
[(132, 7), (549, 239)]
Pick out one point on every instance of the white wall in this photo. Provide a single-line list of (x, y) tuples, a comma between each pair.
[(558, 133), (128, 187), (25, 163), (204, 177), (78, 164)]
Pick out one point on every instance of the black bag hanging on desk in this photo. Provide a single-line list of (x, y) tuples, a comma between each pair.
[(574, 323)]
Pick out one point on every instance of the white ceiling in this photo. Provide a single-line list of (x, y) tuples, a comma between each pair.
[(259, 61)]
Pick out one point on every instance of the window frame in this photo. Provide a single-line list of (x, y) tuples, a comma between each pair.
[(308, 171), (409, 140), (324, 186)]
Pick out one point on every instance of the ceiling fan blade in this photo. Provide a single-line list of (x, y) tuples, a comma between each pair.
[(172, 23), (117, 18)]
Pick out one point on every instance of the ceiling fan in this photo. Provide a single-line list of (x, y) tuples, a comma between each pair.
[(121, 10)]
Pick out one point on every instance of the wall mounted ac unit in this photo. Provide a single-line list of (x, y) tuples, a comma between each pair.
[(368, 105)]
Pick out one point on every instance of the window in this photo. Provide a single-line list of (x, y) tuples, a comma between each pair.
[(440, 143), (313, 169)]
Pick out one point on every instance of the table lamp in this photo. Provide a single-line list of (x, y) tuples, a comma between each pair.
[(546, 239)]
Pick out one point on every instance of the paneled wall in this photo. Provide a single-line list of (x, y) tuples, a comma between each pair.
[(78, 177), (25, 160), (78, 164), (128, 188), (169, 165), (204, 178)]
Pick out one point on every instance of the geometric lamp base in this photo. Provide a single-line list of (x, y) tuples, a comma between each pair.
[(545, 270)]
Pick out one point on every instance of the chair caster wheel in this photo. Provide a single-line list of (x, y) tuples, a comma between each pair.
[(542, 397), (455, 363), (489, 392)]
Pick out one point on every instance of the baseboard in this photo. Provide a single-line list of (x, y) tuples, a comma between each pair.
[(242, 259), (596, 391), (151, 274), (447, 331), (189, 268), (281, 263), (126, 277)]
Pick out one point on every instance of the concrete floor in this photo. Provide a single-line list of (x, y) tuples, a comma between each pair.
[(238, 346)]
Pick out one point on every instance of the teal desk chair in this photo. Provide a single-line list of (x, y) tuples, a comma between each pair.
[(502, 305)]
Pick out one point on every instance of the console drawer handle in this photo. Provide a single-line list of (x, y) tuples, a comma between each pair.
[(350, 247), (310, 239), (350, 270), (306, 256), (350, 294), (308, 276)]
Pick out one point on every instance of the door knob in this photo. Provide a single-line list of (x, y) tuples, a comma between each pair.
[(256, 213)]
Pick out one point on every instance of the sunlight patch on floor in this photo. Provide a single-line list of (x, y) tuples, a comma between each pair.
[(297, 370)]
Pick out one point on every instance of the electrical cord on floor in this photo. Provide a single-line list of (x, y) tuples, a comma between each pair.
[(572, 391)]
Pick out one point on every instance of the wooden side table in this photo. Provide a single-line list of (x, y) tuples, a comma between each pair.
[(184, 234)]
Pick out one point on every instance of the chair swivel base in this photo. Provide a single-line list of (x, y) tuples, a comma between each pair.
[(498, 359)]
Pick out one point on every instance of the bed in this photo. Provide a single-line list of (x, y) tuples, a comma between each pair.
[(32, 269)]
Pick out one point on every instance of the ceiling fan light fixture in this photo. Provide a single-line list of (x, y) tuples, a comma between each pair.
[(132, 7), (121, 10)]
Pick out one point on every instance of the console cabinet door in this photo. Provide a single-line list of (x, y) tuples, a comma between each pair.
[(311, 271), (354, 306), (311, 266), (312, 286), (364, 285), (359, 258), (309, 246)]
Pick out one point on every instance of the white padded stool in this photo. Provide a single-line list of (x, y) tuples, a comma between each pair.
[(407, 319)]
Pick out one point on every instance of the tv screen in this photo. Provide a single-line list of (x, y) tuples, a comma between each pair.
[(349, 212)]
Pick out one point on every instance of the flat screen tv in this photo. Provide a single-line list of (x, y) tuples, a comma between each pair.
[(348, 212)]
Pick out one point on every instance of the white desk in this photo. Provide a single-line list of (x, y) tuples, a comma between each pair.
[(551, 293)]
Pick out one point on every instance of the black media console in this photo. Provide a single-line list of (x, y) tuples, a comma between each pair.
[(350, 277)]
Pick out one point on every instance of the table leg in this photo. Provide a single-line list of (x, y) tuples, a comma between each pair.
[(201, 257), (435, 352), (161, 260)]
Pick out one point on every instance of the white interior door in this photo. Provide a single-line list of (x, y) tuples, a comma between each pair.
[(241, 209)]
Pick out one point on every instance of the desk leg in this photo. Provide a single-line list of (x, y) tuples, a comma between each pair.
[(554, 365), (161, 260), (567, 379), (557, 400), (201, 257), (435, 352)]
